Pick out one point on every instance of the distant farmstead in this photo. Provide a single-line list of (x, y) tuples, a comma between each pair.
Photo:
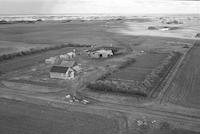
[(102, 53), (61, 72)]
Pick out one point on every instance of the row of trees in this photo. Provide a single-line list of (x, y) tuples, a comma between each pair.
[(114, 87), (152, 80), (37, 50)]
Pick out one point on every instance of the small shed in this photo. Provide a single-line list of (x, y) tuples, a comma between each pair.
[(60, 72), (65, 57), (71, 55), (77, 68)]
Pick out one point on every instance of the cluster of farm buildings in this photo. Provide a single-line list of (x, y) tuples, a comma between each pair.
[(65, 66)]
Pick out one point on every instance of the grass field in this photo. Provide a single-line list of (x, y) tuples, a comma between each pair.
[(11, 47), (99, 33), (184, 89), (24, 118), (137, 71)]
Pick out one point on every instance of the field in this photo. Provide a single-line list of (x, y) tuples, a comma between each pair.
[(7, 47), (99, 33), (184, 89), (141, 77), (137, 71), (24, 118)]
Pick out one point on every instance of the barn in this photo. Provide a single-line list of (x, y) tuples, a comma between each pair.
[(102, 53), (61, 72)]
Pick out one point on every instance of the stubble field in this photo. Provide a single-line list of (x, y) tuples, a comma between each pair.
[(184, 89)]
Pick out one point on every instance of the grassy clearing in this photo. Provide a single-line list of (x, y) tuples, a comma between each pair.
[(143, 66), (128, 83), (102, 84)]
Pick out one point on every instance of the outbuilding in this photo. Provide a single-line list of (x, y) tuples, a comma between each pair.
[(71, 55), (102, 53), (61, 72)]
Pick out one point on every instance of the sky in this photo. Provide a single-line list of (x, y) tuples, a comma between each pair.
[(99, 6)]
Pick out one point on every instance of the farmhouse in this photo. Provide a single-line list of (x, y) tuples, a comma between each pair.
[(60, 72), (102, 53)]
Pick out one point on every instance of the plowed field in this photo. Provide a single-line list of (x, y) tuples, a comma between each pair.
[(185, 87)]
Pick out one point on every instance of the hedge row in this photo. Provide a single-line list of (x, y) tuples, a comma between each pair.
[(114, 87), (154, 78), (36, 50)]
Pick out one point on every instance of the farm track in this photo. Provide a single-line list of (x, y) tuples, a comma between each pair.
[(192, 122)]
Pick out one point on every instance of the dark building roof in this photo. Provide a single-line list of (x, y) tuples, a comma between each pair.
[(59, 69), (113, 49)]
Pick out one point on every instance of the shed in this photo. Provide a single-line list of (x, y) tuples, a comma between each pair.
[(71, 54), (60, 72), (65, 57)]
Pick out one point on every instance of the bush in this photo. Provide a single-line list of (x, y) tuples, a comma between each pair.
[(152, 28), (154, 78), (197, 35)]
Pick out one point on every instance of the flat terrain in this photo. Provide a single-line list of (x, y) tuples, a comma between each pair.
[(184, 89), (187, 30), (143, 65), (11, 47), (27, 78), (23, 118), (94, 32)]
